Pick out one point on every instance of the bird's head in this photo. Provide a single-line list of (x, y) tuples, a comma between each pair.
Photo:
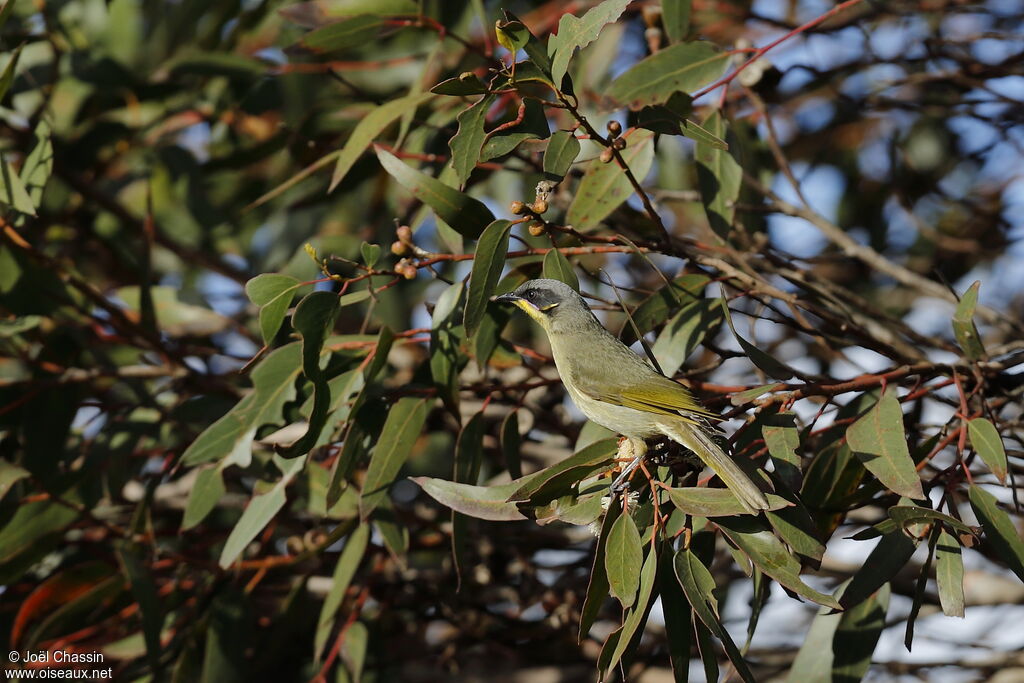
[(551, 303)]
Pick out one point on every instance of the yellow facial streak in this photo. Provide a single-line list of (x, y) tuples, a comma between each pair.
[(531, 311)]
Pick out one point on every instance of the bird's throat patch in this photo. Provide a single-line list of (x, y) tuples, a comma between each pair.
[(531, 310)]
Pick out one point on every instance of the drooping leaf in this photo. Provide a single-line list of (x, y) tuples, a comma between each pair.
[(10, 474), (708, 502), (634, 620), (535, 50), (989, 445), (561, 152), (699, 587), (261, 509), (1000, 532), (463, 85), (510, 444), (578, 32), (677, 611), (580, 464), (905, 515), (7, 77), (769, 364), (597, 587), (314, 319), (719, 176), (783, 440), (949, 574), (533, 126), (488, 262), (682, 291), (605, 187), (683, 67), (348, 562), (878, 441), (675, 18), (684, 332), (469, 139), (964, 329), (207, 490), (839, 645), (466, 215), (344, 35), (769, 554), (481, 502), (38, 166), (12, 190), (890, 555), (403, 426), (272, 292), (466, 470), (557, 267), (623, 557)]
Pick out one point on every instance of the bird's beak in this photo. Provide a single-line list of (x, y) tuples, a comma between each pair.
[(507, 298)]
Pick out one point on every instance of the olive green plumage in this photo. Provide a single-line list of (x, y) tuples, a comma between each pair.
[(618, 389)]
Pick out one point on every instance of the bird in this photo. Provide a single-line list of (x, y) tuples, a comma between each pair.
[(619, 390)]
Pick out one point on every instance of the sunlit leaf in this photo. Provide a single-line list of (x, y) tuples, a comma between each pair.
[(708, 502), (675, 18), (469, 139), (1000, 533), (684, 67), (878, 440), (561, 152), (605, 187), (623, 557), (467, 215), (557, 267), (989, 445), (488, 263), (949, 574), (403, 426), (348, 562), (637, 614), (719, 176), (578, 32), (273, 293), (783, 440), (964, 329)]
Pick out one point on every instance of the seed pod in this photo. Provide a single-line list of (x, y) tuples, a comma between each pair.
[(619, 143), (607, 154), (614, 128), (399, 248), (539, 206), (536, 229), (404, 233), (517, 208)]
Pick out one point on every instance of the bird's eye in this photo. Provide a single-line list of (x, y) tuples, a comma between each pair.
[(531, 295)]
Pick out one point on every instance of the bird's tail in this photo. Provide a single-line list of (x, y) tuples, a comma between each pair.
[(695, 438)]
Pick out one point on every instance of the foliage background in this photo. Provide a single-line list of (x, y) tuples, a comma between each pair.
[(158, 155)]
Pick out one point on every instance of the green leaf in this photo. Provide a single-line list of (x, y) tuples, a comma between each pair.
[(144, 591), (273, 293), (839, 645), (468, 456), (510, 444), (12, 62), (353, 649), (402, 428), (597, 587), (487, 266), (557, 267), (370, 253), (638, 614), (5, 12), (605, 187), (878, 441), (622, 559), (175, 317), (684, 332), (207, 490), (12, 190), (33, 530), (675, 19), (949, 574), (684, 67), (481, 502), (10, 474), (719, 176), (466, 215), (348, 562), (906, 515), (699, 587), (39, 163), (578, 32), (367, 130), (783, 440), (580, 464), (888, 557), (314, 319), (231, 436), (1000, 532), (708, 502), (535, 50), (534, 126), (771, 367), (989, 445), (561, 152), (768, 554), (964, 329), (677, 612), (469, 140), (344, 35), (260, 511), (682, 291), (464, 85), (512, 35)]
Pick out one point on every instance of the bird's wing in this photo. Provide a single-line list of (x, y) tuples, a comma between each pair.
[(653, 393)]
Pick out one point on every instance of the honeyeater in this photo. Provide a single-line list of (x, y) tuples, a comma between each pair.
[(618, 389)]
